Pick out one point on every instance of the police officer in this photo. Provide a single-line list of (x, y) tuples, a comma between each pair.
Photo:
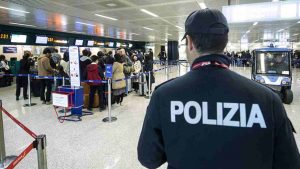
[(213, 118)]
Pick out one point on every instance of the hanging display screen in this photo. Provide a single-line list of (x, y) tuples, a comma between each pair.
[(18, 38)]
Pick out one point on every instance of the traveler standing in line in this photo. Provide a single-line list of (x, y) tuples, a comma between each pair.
[(84, 61), (55, 58), (118, 73), (45, 69), (65, 63), (197, 122), (4, 67), (148, 67), (127, 66), (151, 55), (101, 62), (22, 81), (162, 57), (140, 56), (95, 72), (137, 69), (109, 60)]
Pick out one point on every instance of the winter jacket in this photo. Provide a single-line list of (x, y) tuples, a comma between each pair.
[(137, 67), (109, 60), (93, 74), (44, 68), (24, 66), (118, 74), (3, 65), (66, 66), (84, 62)]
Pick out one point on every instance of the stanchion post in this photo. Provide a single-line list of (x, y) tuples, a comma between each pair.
[(166, 66), (178, 69), (149, 85), (41, 151), (63, 80), (109, 119), (168, 72), (29, 90), (29, 94), (2, 143)]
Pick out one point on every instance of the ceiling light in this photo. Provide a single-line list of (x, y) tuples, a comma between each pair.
[(149, 13), (169, 34), (295, 34), (111, 4), (85, 23), (106, 17), (202, 5), (78, 32), (148, 28), (134, 34), (280, 30), (298, 22), (255, 23), (11, 9), (248, 31), (275, 0), (21, 24), (179, 27)]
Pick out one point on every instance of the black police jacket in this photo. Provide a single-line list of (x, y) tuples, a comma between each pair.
[(213, 118)]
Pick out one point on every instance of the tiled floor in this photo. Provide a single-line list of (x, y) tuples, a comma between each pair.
[(92, 144)]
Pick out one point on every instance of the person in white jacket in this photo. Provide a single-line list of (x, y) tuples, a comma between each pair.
[(5, 69), (137, 69)]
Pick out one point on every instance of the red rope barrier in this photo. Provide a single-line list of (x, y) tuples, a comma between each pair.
[(32, 134), (21, 156)]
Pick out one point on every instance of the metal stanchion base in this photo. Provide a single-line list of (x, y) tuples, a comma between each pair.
[(71, 117), (112, 119), (74, 117), (7, 161), (29, 105)]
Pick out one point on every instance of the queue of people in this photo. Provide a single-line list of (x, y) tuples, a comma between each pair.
[(50, 63)]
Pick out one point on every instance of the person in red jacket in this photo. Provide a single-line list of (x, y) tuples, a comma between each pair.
[(94, 72)]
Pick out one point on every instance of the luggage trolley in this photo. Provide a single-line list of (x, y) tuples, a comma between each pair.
[(70, 102), (62, 100)]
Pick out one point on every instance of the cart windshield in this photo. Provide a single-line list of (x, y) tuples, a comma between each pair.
[(273, 63)]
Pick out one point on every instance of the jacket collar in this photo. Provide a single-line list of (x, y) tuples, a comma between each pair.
[(222, 59)]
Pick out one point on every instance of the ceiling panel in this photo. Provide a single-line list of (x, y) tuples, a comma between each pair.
[(62, 15)]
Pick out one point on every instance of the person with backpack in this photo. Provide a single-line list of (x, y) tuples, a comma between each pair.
[(94, 72)]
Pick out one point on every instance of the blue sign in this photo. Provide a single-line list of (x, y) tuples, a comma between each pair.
[(63, 50), (9, 49), (108, 71)]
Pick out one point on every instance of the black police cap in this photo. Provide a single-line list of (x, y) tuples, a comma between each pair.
[(206, 21)]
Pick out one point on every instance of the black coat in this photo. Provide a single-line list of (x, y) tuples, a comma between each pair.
[(214, 118), (24, 66), (109, 60), (148, 67)]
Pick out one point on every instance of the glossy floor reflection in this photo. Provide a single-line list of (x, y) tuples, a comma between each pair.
[(92, 144)]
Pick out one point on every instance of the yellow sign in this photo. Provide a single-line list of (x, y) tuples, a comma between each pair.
[(4, 36)]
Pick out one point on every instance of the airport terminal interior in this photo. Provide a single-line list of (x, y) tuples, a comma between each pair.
[(65, 132)]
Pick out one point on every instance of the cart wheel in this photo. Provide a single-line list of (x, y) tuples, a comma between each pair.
[(287, 96)]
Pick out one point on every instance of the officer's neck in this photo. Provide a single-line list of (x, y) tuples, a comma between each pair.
[(207, 53)]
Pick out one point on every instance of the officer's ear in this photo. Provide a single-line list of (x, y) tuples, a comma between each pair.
[(189, 42)]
